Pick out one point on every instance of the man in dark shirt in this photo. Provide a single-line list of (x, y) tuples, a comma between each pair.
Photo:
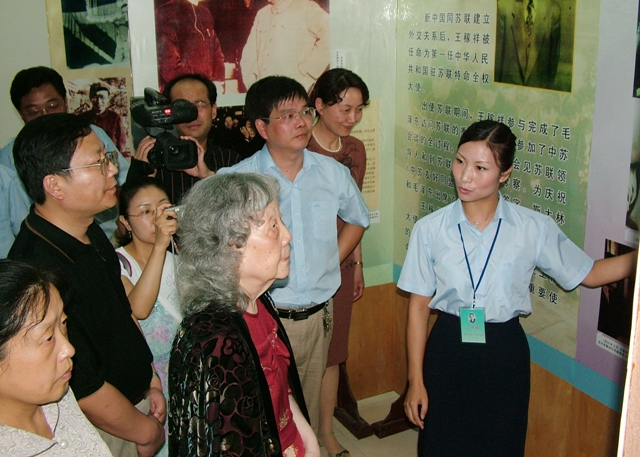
[(105, 118), (211, 157), (69, 175)]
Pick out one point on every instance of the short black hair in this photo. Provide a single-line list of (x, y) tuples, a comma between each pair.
[(30, 78), (332, 83), (499, 138), (212, 92), (268, 93), (23, 287), (45, 146)]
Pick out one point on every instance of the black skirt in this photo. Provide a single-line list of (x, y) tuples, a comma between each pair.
[(478, 393)]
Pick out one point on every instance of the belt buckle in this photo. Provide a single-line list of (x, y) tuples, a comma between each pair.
[(301, 315)]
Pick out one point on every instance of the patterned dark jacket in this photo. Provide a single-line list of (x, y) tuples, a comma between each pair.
[(219, 401)]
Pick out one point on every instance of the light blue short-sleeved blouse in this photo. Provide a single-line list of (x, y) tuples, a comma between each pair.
[(435, 265)]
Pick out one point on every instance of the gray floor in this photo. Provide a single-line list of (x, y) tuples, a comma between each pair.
[(372, 410)]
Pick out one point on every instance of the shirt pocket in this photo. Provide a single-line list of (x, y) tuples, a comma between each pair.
[(514, 277), (324, 220)]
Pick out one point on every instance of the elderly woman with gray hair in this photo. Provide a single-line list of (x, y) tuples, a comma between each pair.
[(233, 384)]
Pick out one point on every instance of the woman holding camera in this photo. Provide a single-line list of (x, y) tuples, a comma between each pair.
[(232, 375), (148, 269)]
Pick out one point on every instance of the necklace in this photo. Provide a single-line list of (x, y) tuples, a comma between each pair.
[(326, 148), (481, 221)]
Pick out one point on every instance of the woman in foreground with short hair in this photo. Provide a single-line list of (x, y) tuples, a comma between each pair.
[(38, 413)]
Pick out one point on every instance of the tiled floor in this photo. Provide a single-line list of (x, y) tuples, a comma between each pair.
[(372, 410)]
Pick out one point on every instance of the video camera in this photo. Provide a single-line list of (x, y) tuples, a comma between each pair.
[(155, 110)]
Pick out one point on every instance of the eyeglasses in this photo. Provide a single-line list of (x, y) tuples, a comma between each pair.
[(52, 107), (146, 213), (288, 118), (103, 163)]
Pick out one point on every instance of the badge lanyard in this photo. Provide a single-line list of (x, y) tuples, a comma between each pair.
[(476, 286)]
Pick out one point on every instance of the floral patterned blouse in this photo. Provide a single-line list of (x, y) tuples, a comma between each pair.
[(219, 398)]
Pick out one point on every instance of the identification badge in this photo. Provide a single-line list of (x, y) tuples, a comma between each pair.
[(472, 325)]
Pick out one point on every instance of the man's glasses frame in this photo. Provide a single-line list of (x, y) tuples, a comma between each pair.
[(50, 107), (307, 114), (103, 163)]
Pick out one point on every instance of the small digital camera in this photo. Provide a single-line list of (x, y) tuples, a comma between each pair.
[(176, 209)]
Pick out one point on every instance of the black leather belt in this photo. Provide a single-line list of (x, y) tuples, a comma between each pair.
[(299, 314)]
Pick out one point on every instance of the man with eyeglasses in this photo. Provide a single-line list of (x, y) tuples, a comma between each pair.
[(201, 92), (71, 177), (314, 190), (38, 91)]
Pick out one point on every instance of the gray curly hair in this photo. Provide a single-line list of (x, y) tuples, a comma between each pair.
[(215, 221)]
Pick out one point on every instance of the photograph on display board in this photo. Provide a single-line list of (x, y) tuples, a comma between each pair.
[(534, 43), (633, 207), (233, 130), (616, 301), (104, 103), (96, 33), (636, 78), (633, 211), (236, 42), (632, 196)]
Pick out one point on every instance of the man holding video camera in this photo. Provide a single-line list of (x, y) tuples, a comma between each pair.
[(211, 157)]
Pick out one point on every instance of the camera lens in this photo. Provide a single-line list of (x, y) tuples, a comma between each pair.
[(173, 150)]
